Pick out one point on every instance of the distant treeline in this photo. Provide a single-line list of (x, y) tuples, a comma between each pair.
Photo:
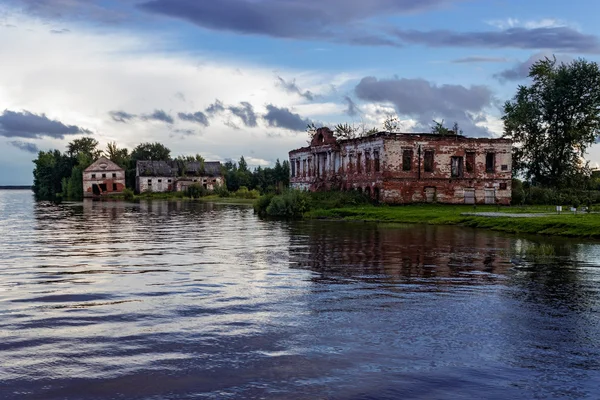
[(58, 175), (17, 187)]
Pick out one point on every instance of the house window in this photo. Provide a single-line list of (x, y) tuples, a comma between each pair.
[(114, 187), (490, 161), (503, 186), (169, 181), (368, 162), (298, 167), (293, 168), (160, 181), (376, 161), (470, 162), (504, 167), (149, 181), (359, 163), (104, 175), (93, 176), (456, 167), (114, 175), (350, 162), (428, 162), (407, 155), (304, 168)]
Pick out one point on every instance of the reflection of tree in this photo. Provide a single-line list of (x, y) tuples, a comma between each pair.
[(401, 253), (550, 321)]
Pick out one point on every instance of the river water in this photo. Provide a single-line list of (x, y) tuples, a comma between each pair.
[(184, 300)]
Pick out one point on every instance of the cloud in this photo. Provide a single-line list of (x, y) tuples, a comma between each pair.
[(121, 116), (520, 70), (291, 87), (60, 31), (159, 115), (529, 24), (352, 110), (562, 39), (479, 59), (245, 112), (215, 108), (197, 117), (425, 101), (33, 126), (335, 20), (284, 118), (25, 146)]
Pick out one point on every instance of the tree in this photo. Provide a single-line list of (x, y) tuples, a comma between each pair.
[(391, 123), (438, 128), (553, 121), (51, 168), (84, 145), (150, 152), (117, 155)]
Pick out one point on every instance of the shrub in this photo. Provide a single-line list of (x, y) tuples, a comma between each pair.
[(221, 191), (128, 194), (196, 190), (291, 204), (244, 193)]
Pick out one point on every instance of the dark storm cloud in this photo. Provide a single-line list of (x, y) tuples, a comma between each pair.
[(561, 38), (121, 116), (32, 126), (425, 101), (215, 108), (478, 59), (291, 87), (352, 109), (159, 115), (89, 9), (335, 20), (25, 146), (245, 112), (520, 70), (284, 118), (198, 117)]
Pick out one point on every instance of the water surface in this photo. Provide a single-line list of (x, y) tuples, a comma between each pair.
[(184, 300)]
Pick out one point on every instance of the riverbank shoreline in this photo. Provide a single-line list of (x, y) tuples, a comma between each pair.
[(580, 225)]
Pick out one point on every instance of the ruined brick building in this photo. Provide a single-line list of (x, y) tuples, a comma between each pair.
[(103, 178), (174, 176), (399, 168)]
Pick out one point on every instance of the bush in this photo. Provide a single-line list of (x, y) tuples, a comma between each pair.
[(244, 193), (196, 190), (221, 191), (291, 204), (128, 194)]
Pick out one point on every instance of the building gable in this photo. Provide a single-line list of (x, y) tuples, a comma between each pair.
[(103, 164)]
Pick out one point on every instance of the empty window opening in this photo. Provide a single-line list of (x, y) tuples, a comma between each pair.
[(407, 155), (428, 161), (114, 187), (114, 175), (359, 163), (376, 161), (504, 167), (93, 176), (104, 175), (503, 186), (367, 162), (456, 166), (490, 161)]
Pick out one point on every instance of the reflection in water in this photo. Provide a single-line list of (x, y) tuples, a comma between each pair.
[(170, 300)]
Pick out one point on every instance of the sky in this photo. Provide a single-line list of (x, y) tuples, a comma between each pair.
[(245, 77)]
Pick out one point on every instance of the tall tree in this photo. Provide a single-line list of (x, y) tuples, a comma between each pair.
[(150, 152), (554, 120), (85, 145), (119, 156)]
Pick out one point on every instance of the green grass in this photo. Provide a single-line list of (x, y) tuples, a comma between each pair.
[(565, 224)]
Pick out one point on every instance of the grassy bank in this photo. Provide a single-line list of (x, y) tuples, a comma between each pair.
[(565, 224)]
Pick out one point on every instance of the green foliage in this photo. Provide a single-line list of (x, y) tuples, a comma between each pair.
[(84, 146), (51, 168), (128, 194), (291, 204), (221, 191), (119, 156), (438, 128), (244, 193), (553, 121), (196, 191), (150, 152), (294, 203)]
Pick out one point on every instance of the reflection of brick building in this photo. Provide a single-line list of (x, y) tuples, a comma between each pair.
[(102, 178), (407, 168)]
